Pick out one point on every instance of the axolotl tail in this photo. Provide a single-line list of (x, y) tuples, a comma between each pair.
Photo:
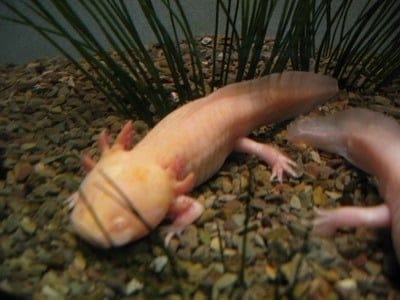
[(356, 134), (369, 140)]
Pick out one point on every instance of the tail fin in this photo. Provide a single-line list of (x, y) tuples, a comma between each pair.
[(290, 94), (301, 91)]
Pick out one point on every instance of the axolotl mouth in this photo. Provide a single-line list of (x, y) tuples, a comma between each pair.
[(88, 223)]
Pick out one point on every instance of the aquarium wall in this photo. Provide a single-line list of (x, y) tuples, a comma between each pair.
[(21, 44)]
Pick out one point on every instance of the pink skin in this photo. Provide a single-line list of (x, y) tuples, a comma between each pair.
[(186, 148), (371, 141)]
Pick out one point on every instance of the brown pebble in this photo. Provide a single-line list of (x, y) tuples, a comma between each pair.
[(22, 171)]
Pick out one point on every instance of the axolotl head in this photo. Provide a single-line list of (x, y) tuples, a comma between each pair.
[(122, 197)]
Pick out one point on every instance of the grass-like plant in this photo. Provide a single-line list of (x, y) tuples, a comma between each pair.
[(363, 52)]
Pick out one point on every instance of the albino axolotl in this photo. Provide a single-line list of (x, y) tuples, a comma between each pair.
[(127, 193), (371, 141)]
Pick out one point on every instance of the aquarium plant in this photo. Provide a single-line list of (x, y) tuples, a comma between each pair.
[(362, 52)]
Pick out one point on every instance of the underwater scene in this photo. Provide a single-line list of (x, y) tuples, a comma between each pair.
[(152, 156)]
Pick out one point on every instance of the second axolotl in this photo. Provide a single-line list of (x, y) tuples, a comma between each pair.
[(371, 141), (127, 193)]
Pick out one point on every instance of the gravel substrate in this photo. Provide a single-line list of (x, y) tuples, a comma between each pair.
[(252, 242)]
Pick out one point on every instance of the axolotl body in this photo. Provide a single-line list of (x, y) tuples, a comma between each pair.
[(371, 141), (127, 193)]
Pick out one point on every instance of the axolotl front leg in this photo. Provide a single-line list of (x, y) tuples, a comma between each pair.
[(183, 212), (185, 209)]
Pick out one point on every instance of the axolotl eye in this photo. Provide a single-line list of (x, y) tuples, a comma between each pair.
[(120, 230), (125, 226), (119, 223), (104, 228)]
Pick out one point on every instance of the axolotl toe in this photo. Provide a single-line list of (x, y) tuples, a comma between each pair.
[(371, 141), (127, 193)]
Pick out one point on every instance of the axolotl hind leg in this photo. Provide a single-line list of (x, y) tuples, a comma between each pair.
[(278, 161), (328, 221)]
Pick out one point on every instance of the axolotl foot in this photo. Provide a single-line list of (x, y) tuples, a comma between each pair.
[(327, 222), (278, 161), (184, 211)]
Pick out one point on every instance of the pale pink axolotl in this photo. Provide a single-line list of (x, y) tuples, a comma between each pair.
[(129, 192), (371, 141)]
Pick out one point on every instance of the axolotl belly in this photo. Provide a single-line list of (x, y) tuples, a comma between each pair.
[(127, 193), (371, 141)]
